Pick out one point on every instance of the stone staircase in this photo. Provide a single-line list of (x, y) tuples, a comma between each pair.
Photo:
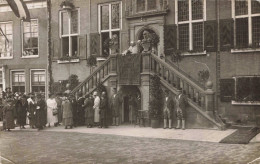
[(200, 99)]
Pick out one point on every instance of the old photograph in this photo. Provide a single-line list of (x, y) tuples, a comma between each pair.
[(129, 81)]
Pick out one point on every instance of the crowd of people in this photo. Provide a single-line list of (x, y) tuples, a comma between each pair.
[(90, 110)]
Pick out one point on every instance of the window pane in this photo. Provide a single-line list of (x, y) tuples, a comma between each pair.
[(74, 45), (38, 78), (242, 32), (151, 4), (65, 23), (255, 6), (140, 5), (197, 29), (184, 37), (105, 43), (74, 22), (115, 16), (6, 42), (65, 46), (197, 9), (241, 7), (183, 10), (30, 38), (105, 17), (256, 31)]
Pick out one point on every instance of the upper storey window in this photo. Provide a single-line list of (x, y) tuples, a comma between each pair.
[(6, 40), (30, 38), (145, 5)]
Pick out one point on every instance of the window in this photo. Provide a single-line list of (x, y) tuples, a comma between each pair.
[(69, 31), (189, 20), (246, 14), (18, 81), (109, 23), (1, 83), (6, 40), (247, 88), (145, 5), (38, 81), (30, 38)]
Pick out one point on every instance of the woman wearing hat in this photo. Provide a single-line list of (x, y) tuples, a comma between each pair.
[(89, 111), (96, 108), (22, 111), (52, 111), (8, 110), (67, 115)]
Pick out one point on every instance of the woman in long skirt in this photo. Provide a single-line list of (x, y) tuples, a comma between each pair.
[(67, 112), (52, 116), (89, 111), (8, 111), (22, 111)]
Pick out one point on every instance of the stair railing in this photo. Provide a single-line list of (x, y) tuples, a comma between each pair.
[(109, 67)]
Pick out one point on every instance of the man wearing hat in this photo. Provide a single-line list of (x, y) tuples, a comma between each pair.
[(168, 109), (40, 112), (96, 108), (181, 103), (115, 104)]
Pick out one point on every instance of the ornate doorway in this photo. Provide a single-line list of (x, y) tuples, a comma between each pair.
[(131, 104)]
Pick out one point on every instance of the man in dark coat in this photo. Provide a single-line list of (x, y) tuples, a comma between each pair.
[(80, 109), (103, 110), (22, 108), (168, 109), (181, 103), (115, 106), (8, 111), (31, 110), (40, 112), (73, 102)]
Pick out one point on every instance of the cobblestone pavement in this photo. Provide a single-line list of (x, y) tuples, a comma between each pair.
[(25, 147)]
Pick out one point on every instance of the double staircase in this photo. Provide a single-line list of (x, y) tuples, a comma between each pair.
[(200, 99)]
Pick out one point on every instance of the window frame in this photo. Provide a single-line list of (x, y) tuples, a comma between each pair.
[(110, 30), (69, 28), (146, 7), (190, 22), (2, 70), (234, 102), (45, 83), (6, 22), (22, 32), (249, 16), (11, 77)]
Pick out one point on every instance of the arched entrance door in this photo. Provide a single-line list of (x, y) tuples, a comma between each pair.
[(131, 104)]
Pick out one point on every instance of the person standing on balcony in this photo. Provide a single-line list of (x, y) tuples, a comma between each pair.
[(115, 106), (181, 103), (168, 109), (96, 108)]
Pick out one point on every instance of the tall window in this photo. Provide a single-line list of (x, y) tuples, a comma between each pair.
[(6, 40), (30, 38), (1, 83), (69, 31), (247, 23), (38, 81), (190, 19), (18, 81), (145, 5), (109, 23)]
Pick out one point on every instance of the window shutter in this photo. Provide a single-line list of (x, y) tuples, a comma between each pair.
[(170, 38), (95, 44), (226, 34), (82, 46), (227, 89), (210, 37), (56, 48)]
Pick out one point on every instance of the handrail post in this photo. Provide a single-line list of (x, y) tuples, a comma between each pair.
[(209, 98), (146, 62)]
